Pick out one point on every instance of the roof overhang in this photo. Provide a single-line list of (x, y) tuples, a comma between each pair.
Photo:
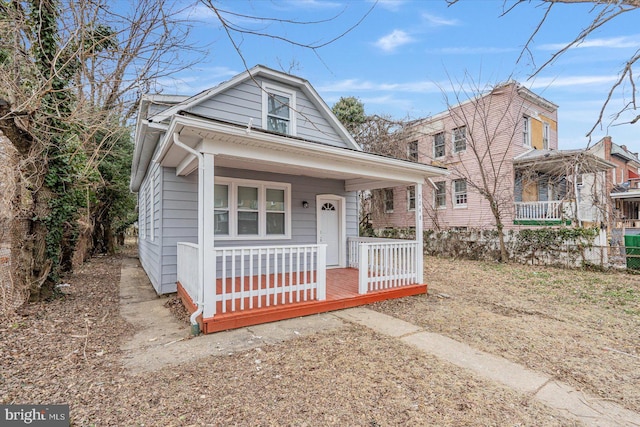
[(246, 148), (557, 162), (630, 196)]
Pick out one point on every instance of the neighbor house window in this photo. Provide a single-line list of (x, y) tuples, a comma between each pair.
[(412, 151), (438, 145), (388, 200), (545, 136), (460, 192), (278, 109), (440, 195), (459, 139), (251, 209), (526, 131), (411, 198)]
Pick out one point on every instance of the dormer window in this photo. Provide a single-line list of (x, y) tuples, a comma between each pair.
[(278, 109)]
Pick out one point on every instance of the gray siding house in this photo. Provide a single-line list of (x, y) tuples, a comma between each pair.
[(247, 196)]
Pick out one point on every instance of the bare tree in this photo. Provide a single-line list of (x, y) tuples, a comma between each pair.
[(70, 76), (605, 13)]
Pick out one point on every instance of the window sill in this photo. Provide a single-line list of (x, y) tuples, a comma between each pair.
[(460, 207)]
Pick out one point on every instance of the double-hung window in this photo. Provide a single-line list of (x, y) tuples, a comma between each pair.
[(459, 139), (388, 200), (278, 109), (412, 151), (252, 209), (411, 198), (526, 131), (545, 136), (440, 195), (459, 193), (438, 145)]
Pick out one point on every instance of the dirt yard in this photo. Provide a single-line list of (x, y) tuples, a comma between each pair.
[(581, 327)]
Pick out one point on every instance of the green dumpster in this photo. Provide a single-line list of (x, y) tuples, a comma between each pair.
[(632, 243)]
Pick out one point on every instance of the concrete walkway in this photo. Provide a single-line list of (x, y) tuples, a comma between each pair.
[(166, 342)]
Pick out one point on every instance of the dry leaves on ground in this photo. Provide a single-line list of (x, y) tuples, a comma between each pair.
[(581, 327), (68, 351)]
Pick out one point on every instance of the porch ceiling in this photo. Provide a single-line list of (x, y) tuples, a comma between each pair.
[(246, 148)]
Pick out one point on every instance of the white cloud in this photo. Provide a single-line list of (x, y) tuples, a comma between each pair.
[(438, 21), (355, 85), (392, 5), (467, 50), (313, 4), (622, 42), (395, 39), (557, 82)]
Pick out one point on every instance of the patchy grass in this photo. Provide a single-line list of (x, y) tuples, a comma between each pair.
[(68, 351), (579, 326)]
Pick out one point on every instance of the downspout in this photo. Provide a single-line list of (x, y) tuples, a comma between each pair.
[(195, 327)]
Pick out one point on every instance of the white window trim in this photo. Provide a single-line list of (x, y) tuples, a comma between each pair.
[(268, 88), (444, 145), (409, 208), (262, 186), (457, 205), (454, 140), (526, 133)]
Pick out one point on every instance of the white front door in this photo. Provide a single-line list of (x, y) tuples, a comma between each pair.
[(329, 231)]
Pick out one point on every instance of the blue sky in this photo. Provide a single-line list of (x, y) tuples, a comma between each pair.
[(404, 53)]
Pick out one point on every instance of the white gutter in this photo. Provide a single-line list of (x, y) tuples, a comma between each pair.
[(195, 328)]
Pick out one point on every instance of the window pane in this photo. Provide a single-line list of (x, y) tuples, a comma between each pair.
[(275, 223), (278, 106), (248, 198), (277, 125), (275, 200), (438, 145), (247, 223), (221, 223), (221, 196)]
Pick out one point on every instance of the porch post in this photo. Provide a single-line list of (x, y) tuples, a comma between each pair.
[(207, 245), (419, 235)]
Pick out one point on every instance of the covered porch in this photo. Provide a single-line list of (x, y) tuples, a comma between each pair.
[(293, 281), (558, 187), (274, 243)]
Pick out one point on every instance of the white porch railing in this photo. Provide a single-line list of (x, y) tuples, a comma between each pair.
[(187, 269), (544, 211), (255, 277), (384, 263)]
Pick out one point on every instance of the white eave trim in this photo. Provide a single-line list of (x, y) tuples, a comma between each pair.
[(383, 165)]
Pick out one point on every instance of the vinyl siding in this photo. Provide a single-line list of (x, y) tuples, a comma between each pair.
[(149, 250), (178, 217), (243, 103)]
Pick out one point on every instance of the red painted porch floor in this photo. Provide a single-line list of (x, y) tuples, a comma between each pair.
[(342, 292)]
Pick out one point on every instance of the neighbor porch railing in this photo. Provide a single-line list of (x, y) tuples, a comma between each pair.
[(627, 223), (543, 211), (384, 263)]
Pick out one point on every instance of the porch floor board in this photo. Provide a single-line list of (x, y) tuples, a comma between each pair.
[(342, 292)]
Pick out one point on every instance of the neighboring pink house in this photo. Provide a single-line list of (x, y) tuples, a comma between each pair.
[(622, 184), (504, 143)]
